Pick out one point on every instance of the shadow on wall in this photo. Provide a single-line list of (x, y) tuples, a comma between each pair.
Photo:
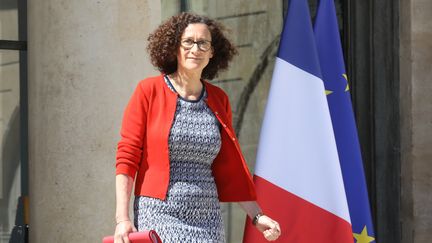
[(10, 174), (268, 54)]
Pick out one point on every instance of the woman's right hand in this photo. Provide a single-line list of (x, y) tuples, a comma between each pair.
[(122, 231)]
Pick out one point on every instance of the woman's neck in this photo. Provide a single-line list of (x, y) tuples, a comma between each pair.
[(187, 84)]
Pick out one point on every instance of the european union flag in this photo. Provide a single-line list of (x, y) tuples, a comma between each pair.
[(338, 97)]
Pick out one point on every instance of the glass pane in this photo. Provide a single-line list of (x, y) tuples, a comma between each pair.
[(10, 176), (8, 20)]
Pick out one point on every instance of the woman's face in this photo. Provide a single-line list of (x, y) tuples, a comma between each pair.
[(195, 49)]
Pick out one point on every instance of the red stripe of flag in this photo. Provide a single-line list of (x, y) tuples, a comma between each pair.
[(300, 220)]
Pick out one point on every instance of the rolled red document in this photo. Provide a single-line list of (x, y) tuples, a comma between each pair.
[(138, 237)]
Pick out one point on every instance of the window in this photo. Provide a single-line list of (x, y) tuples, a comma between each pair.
[(13, 118)]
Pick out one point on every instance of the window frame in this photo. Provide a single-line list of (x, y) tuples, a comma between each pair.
[(20, 45)]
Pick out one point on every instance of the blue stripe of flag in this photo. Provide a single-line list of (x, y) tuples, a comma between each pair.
[(299, 49)]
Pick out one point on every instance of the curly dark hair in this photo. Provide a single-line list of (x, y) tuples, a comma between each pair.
[(165, 41)]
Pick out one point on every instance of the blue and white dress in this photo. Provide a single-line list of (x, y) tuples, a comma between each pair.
[(191, 212)]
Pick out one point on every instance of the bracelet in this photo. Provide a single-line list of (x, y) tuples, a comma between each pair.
[(255, 219), (124, 220)]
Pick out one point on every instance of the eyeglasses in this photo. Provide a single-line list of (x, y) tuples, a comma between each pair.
[(203, 45)]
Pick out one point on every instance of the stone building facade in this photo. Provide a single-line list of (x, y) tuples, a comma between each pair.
[(84, 58)]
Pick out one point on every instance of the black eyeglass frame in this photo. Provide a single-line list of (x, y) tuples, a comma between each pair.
[(199, 43)]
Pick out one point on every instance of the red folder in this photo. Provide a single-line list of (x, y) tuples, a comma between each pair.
[(138, 237)]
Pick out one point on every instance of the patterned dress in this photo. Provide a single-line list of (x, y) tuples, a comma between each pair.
[(191, 211)]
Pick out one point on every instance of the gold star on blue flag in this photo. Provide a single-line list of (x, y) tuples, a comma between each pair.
[(347, 85), (363, 237)]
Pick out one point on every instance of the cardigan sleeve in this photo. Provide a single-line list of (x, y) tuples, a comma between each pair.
[(130, 146)]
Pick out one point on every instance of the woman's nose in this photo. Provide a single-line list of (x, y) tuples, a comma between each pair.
[(195, 47)]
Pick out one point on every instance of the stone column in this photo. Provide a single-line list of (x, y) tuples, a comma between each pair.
[(416, 120), (85, 59)]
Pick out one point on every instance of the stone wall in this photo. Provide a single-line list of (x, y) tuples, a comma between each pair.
[(85, 59), (416, 120)]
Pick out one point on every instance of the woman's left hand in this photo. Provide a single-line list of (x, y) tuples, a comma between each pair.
[(270, 228)]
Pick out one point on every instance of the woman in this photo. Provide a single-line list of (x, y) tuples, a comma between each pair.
[(177, 138)]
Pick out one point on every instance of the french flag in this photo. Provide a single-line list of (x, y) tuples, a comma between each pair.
[(297, 174)]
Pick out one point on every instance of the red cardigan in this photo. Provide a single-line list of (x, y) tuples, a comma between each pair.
[(143, 147)]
